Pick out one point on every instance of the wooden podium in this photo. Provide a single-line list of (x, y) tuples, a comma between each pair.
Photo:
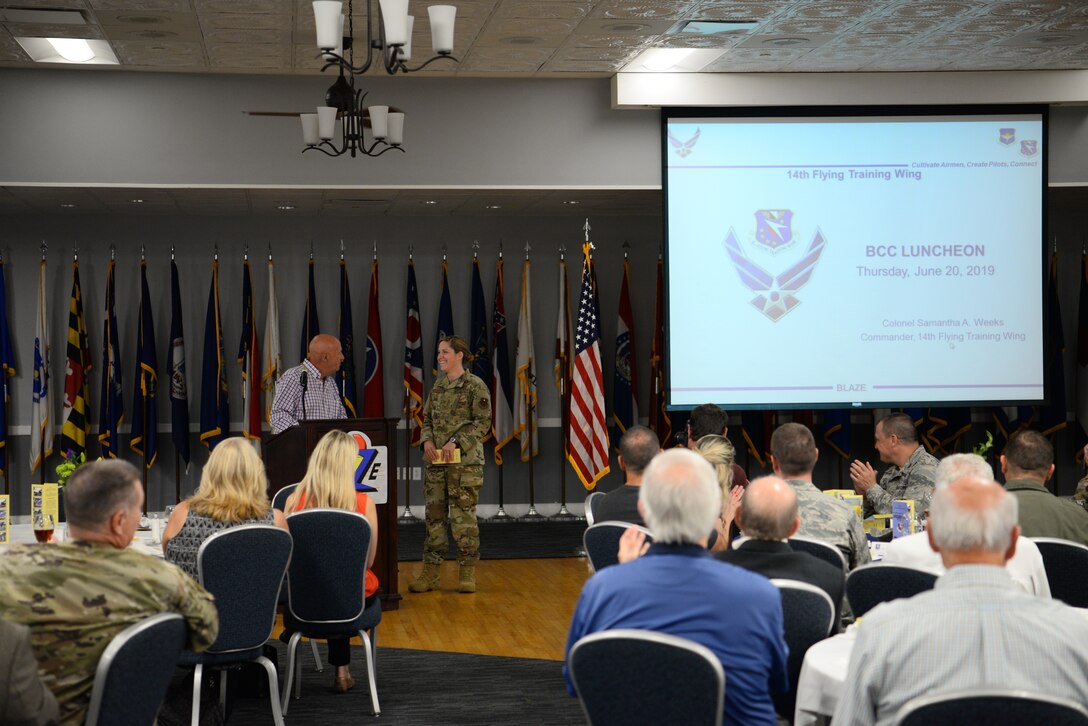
[(287, 453)]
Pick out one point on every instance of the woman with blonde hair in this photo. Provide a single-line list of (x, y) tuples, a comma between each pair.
[(720, 453), (233, 490), (330, 482)]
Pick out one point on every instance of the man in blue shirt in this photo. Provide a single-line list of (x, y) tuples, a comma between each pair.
[(678, 589)]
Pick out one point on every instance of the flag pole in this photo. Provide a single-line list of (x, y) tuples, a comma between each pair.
[(564, 404), (4, 403), (41, 442), (532, 513), (406, 515), (500, 514), (143, 264)]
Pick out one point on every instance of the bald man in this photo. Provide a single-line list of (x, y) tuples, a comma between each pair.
[(308, 391), (974, 629), (768, 516)]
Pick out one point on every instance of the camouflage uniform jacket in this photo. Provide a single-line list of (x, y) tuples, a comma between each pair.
[(913, 481), (1080, 496), (830, 520), (77, 596), (460, 408)]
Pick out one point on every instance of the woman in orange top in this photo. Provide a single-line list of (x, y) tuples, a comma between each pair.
[(330, 482)]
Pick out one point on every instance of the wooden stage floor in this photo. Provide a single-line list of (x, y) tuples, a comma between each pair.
[(521, 609)]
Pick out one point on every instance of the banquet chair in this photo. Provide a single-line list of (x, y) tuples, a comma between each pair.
[(592, 501), (994, 707), (808, 616), (325, 588), (602, 542), (243, 568), (633, 677), (824, 550), (869, 585), (1066, 564), (134, 671), (279, 502)]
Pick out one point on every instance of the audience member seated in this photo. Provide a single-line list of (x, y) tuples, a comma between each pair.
[(1027, 463), (330, 482), (767, 515), (793, 458), (233, 490), (1025, 567), (910, 475), (77, 595), (677, 588), (24, 699), (637, 447), (975, 629), (709, 419), (720, 453)]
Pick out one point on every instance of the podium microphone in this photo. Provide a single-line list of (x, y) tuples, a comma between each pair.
[(304, 379)]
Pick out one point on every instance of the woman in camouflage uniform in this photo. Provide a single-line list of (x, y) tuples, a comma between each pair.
[(456, 417)]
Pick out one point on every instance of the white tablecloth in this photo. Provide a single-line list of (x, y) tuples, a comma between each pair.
[(23, 533), (822, 676)]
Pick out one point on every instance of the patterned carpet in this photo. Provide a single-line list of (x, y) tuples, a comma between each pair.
[(418, 687)]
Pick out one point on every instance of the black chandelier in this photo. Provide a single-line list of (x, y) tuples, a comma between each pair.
[(393, 45)]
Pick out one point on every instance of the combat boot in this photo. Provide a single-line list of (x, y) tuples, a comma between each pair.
[(428, 579), (468, 579)]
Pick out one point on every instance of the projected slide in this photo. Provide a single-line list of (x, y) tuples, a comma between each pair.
[(854, 261)]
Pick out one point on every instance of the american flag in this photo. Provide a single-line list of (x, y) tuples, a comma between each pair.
[(413, 360), (587, 449)]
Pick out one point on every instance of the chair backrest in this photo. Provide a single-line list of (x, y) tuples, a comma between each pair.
[(135, 670), (243, 567), (1066, 564), (992, 707), (602, 542), (824, 550), (328, 568), (280, 500), (592, 501), (808, 615), (869, 585), (643, 677)]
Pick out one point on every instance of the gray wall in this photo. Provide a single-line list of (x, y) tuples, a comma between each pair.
[(142, 128)]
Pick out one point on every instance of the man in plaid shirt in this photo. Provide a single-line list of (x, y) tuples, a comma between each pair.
[(308, 391)]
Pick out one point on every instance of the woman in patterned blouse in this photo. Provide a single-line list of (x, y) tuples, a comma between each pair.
[(233, 490)]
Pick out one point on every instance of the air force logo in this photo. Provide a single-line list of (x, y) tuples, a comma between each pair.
[(1029, 147), (371, 468), (683, 148), (1006, 137), (773, 228), (775, 294)]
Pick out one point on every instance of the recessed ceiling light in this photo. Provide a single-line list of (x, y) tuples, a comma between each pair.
[(285, 207), (712, 27), (430, 201), (571, 201), (67, 205), (494, 206), (68, 50), (137, 201)]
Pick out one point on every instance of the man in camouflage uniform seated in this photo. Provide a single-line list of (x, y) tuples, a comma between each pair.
[(457, 415), (76, 596), (910, 475), (793, 457)]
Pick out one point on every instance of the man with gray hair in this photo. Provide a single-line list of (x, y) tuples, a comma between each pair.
[(678, 589), (1025, 567), (974, 629), (637, 447), (76, 596), (910, 475), (768, 516)]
